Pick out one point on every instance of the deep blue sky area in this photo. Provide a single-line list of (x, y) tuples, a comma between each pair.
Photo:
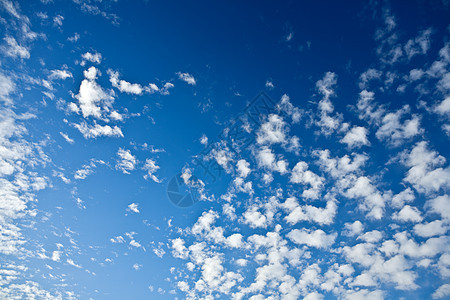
[(224, 149)]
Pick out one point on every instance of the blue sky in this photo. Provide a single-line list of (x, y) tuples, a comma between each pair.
[(224, 150)]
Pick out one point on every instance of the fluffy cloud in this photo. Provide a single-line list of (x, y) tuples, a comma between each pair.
[(151, 168), (126, 161), (425, 173), (14, 49), (356, 137), (301, 174), (59, 74), (7, 87), (134, 208), (96, 130), (188, 78), (395, 131), (313, 238), (92, 98), (95, 58)]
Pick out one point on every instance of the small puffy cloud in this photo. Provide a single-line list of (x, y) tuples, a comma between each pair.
[(204, 140), (443, 108), (124, 86), (179, 249), (67, 138), (371, 236), (59, 74), (273, 131), (254, 218), (269, 84), (313, 238), (403, 197), (372, 200), (186, 77), (74, 38), (243, 168), (367, 76), (133, 207), (408, 214), (301, 174), (126, 161), (117, 240), (15, 50), (356, 137), (116, 116), (442, 292), (426, 173), (267, 159), (396, 131), (72, 263), (437, 227), (96, 130), (7, 87), (151, 167), (310, 213), (58, 20), (287, 107), (92, 98), (91, 57), (419, 45), (352, 229), (440, 205), (82, 173)]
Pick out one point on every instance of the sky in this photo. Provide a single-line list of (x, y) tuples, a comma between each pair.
[(224, 149)]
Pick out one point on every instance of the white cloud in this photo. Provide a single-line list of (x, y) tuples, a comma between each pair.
[(58, 20), (317, 238), (437, 227), (440, 205), (443, 108), (92, 98), (59, 74), (254, 218), (91, 57), (96, 130), (273, 131), (356, 137), (124, 86), (126, 161), (204, 140), (72, 263), (151, 167), (134, 207), (442, 292), (403, 197), (269, 84), (419, 45), (352, 229), (67, 138), (371, 236), (395, 131), (243, 168), (373, 201), (425, 173), (186, 77), (408, 214), (310, 213), (367, 76), (301, 174), (7, 87), (286, 106), (15, 50), (266, 159)]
